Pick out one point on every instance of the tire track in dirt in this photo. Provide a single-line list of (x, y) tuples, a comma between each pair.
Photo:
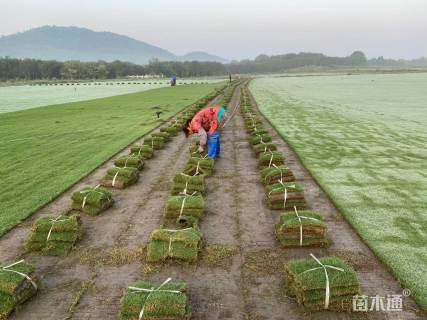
[(374, 277), (90, 274)]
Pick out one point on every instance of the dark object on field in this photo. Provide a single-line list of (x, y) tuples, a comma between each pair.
[(92, 200), (145, 300), (318, 284), (158, 113), (54, 236), (17, 285)]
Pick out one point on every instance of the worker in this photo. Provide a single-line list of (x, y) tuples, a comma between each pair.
[(206, 124), (173, 81)]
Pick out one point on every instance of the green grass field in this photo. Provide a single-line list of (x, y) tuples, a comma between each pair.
[(363, 138), (45, 150), (15, 98)]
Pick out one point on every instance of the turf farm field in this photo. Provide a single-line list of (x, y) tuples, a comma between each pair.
[(45, 150), (363, 138), (15, 98)]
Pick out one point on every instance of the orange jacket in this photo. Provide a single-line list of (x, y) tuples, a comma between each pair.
[(207, 119)]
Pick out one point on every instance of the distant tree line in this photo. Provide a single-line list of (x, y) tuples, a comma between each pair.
[(32, 69)]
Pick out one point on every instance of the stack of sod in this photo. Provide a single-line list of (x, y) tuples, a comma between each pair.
[(171, 130), (254, 129), (155, 301), (181, 244), (286, 195), (166, 136), (132, 161), (185, 209), (15, 288), (306, 280), (92, 200), (259, 138), (155, 142), (54, 236), (271, 158), (185, 184), (199, 165), (264, 147), (258, 131), (142, 150), (274, 174), (252, 121), (301, 228), (120, 178)]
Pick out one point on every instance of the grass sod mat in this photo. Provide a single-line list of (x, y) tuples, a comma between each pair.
[(185, 184), (273, 174), (156, 143), (259, 138), (155, 301), (166, 136), (303, 228), (92, 200), (120, 178), (171, 130), (132, 160), (258, 132), (286, 195), (264, 147), (254, 129), (270, 158), (181, 244), (307, 282), (54, 235), (185, 210), (142, 150), (199, 165), (15, 288)]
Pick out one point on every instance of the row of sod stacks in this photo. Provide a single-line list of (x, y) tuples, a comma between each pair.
[(317, 284), (308, 283), (17, 285), (92, 200), (120, 178), (54, 236), (301, 228), (144, 300)]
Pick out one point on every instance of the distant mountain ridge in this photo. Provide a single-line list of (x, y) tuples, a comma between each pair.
[(74, 43)]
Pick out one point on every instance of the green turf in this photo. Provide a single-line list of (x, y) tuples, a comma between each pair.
[(363, 138), (45, 150)]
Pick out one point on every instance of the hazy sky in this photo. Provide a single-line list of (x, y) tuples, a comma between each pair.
[(240, 28)]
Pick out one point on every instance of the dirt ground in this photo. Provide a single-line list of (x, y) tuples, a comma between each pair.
[(239, 273)]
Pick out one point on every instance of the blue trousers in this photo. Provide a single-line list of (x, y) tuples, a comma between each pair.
[(213, 145)]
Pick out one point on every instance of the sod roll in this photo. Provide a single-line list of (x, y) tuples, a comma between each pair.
[(162, 134), (92, 200), (132, 160), (120, 178), (181, 244), (259, 138), (270, 159), (155, 142), (286, 195), (199, 165), (264, 147), (185, 184), (144, 151), (274, 174), (185, 210)]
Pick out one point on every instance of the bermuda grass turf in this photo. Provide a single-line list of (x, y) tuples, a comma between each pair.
[(363, 139), (199, 165), (130, 161), (92, 200), (15, 288), (181, 244), (155, 142), (285, 196), (185, 210), (142, 150), (185, 184), (307, 282), (274, 174), (264, 147), (120, 178), (301, 228), (43, 151), (155, 301), (271, 158), (54, 236)]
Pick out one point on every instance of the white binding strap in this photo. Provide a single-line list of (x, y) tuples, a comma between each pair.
[(6, 268), (115, 177), (324, 266)]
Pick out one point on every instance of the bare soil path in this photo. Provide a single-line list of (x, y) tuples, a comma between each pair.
[(246, 284)]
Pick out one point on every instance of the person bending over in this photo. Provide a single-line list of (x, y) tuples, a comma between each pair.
[(206, 124)]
